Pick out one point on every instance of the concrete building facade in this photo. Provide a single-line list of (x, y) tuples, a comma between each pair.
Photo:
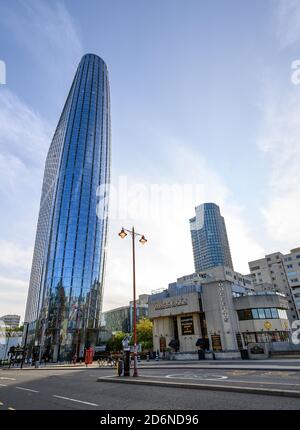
[(209, 309), (292, 270), (121, 319), (279, 272)]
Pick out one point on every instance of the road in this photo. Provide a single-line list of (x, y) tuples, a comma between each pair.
[(277, 379), (78, 389)]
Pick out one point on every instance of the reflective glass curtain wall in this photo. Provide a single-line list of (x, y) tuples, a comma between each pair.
[(209, 238), (66, 285)]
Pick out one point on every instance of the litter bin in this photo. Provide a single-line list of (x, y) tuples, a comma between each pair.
[(201, 354), (244, 354)]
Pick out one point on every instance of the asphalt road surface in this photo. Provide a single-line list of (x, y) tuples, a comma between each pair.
[(278, 379), (79, 389)]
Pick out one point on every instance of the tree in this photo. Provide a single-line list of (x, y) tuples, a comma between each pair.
[(114, 344), (144, 329)]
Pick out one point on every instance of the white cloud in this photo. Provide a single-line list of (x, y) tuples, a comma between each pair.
[(13, 294), (279, 139), (24, 135), (280, 142), (24, 139), (287, 16), (13, 256), (243, 244), (49, 34)]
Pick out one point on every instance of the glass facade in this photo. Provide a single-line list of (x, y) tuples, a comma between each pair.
[(261, 313), (209, 238), (66, 285)]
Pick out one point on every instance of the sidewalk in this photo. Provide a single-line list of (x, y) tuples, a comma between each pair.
[(270, 364)]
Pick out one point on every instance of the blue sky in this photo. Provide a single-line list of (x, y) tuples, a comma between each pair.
[(201, 93)]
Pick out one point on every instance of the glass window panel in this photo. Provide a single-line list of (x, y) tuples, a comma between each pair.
[(268, 313), (274, 313)]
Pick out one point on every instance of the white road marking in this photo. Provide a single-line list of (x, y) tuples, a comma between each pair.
[(75, 400), (26, 389), (11, 409), (4, 377), (1, 404), (264, 382), (3, 385), (195, 376), (108, 376)]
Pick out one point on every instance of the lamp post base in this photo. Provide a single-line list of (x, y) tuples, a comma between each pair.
[(135, 371)]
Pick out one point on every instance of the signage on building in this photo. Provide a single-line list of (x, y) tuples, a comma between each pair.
[(171, 303), (187, 325), (268, 325), (216, 342), (224, 309), (257, 349)]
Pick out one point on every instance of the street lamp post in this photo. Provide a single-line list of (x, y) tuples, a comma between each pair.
[(142, 240)]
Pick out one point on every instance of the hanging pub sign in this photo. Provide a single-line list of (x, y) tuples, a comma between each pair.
[(187, 325)]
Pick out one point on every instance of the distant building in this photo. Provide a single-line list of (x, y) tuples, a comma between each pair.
[(121, 319), (280, 273), (11, 321), (117, 319), (209, 238)]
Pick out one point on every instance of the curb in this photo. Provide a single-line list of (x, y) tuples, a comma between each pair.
[(179, 366), (226, 367), (228, 388), (55, 368)]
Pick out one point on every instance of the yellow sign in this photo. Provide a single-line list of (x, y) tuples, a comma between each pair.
[(267, 325)]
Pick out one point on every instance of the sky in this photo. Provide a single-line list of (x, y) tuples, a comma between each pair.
[(204, 108)]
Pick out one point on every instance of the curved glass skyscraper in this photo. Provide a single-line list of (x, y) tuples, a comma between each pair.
[(66, 284), (209, 238)]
